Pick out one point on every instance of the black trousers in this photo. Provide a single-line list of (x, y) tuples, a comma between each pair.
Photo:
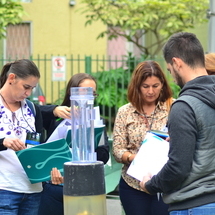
[(51, 200), (136, 202)]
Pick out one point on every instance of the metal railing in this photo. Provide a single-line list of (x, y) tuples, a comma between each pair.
[(113, 75)]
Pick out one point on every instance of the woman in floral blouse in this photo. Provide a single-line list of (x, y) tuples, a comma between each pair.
[(150, 98)]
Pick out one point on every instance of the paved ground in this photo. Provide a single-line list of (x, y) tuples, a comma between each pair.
[(114, 207)]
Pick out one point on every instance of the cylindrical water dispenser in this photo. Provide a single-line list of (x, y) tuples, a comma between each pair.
[(84, 184), (84, 188)]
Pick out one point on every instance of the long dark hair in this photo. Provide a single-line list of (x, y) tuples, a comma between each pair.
[(75, 81), (141, 73), (21, 68)]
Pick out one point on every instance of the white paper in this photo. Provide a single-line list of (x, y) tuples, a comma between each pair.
[(151, 157), (98, 122), (61, 131)]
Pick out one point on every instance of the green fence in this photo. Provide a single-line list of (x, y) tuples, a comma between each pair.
[(112, 74)]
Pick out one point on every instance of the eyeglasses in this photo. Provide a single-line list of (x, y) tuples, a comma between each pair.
[(95, 94)]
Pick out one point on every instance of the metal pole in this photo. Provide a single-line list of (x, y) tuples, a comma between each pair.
[(211, 16), (88, 64)]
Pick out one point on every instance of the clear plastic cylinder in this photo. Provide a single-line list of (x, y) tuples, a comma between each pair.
[(84, 183), (82, 113)]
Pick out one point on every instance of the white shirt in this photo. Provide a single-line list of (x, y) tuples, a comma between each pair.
[(12, 174)]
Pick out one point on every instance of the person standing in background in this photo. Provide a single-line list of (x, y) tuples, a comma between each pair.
[(210, 63), (52, 195), (150, 99), (187, 180)]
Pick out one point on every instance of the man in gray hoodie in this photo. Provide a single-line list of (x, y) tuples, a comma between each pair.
[(187, 180)]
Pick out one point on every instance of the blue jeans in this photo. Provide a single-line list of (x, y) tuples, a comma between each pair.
[(208, 209), (136, 202), (12, 203)]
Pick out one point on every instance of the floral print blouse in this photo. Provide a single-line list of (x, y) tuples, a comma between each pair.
[(16, 124), (129, 131)]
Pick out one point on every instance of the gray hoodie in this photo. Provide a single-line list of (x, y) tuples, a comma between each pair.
[(188, 178)]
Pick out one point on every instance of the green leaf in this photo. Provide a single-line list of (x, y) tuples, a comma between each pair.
[(160, 18), (11, 12)]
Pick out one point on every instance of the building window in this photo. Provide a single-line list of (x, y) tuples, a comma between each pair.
[(18, 41)]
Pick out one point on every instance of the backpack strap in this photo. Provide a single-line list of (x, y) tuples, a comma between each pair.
[(31, 106)]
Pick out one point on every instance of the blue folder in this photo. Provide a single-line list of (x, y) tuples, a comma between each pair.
[(161, 134)]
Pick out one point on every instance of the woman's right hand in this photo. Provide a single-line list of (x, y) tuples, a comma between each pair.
[(56, 176), (62, 112), (14, 144)]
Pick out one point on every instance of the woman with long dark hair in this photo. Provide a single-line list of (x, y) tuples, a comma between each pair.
[(52, 195), (149, 97)]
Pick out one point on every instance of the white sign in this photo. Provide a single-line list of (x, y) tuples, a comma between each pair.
[(59, 68)]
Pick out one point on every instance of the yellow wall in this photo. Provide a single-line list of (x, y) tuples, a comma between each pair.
[(201, 31), (57, 28)]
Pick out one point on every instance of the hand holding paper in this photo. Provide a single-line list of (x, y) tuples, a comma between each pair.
[(39, 160), (144, 180), (64, 128)]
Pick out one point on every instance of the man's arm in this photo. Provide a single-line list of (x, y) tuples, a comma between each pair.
[(183, 132)]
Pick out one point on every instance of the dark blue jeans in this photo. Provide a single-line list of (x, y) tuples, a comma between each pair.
[(12, 203), (51, 200), (136, 202), (208, 209)]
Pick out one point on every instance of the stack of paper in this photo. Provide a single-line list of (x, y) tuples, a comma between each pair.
[(151, 157)]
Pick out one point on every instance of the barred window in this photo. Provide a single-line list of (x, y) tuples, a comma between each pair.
[(18, 41)]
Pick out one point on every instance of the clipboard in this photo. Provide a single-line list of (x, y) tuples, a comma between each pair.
[(39, 160), (151, 157)]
